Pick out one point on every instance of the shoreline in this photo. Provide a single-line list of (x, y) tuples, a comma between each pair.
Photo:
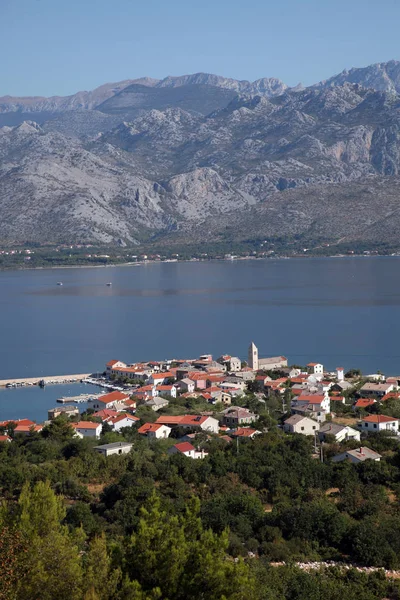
[(48, 380), (227, 260)]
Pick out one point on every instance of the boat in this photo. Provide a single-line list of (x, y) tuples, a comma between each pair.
[(109, 284), (42, 383), (59, 282)]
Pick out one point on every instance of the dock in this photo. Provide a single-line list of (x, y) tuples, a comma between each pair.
[(79, 399), (51, 379)]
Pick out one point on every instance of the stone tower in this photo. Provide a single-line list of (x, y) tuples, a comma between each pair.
[(253, 357)]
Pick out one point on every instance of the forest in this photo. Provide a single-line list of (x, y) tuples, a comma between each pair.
[(148, 525)]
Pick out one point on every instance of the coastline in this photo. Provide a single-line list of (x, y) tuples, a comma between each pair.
[(202, 260)]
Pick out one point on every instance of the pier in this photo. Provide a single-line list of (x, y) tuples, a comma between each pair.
[(80, 398), (51, 379)]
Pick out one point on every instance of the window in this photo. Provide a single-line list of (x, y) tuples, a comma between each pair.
[(302, 428), (375, 426)]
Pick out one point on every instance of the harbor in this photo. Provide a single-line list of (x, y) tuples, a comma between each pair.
[(49, 380)]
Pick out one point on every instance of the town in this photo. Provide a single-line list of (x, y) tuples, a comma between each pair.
[(193, 401)]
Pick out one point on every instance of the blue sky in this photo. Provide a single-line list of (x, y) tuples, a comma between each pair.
[(57, 47)]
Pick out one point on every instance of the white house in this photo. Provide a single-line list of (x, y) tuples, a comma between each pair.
[(114, 448), (316, 368), (376, 389), (339, 432), (358, 455), (300, 424), (319, 401), (186, 449), (155, 430), (120, 421), (108, 400), (187, 385), (375, 423), (87, 429), (160, 378), (165, 390)]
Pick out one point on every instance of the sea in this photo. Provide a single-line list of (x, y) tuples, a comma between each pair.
[(338, 311)]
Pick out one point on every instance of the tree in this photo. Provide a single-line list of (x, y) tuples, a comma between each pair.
[(100, 579)]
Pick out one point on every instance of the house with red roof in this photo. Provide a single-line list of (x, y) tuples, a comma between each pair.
[(205, 423), (114, 364), (166, 390), (112, 400), (87, 429), (122, 420), (160, 378), (376, 423), (244, 432), (315, 368), (363, 403), (186, 449), (155, 430), (5, 438)]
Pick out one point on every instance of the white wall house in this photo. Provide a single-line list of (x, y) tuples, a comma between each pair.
[(376, 423), (155, 430), (87, 429), (316, 368), (114, 448), (339, 432), (107, 400)]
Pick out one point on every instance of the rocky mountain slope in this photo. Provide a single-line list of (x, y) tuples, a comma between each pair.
[(313, 164)]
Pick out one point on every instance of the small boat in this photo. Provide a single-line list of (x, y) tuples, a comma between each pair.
[(42, 383), (109, 284), (59, 282)]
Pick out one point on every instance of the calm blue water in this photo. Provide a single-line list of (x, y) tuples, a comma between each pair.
[(342, 311), (33, 402)]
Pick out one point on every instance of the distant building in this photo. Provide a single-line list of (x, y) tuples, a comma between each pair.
[(300, 424), (358, 455), (339, 432), (268, 364), (376, 423), (187, 449), (156, 403), (315, 368), (155, 430), (376, 389), (108, 400), (68, 411), (236, 415), (87, 429), (114, 448)]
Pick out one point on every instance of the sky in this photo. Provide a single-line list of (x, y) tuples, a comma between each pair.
[(58, 47)]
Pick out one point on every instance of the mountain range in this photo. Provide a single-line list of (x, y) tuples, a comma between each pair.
[(205, 158)]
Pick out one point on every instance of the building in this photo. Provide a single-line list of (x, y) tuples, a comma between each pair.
[(376, 389), (363, 403), (244, 432), (232, 363), (376, 423), (268, 364), (341, 433), (157, 403), (340, 373), (114, 448), (68, 411), (193, 421), (114, 364), (187, 385), (235, 415), (187, 449), (252, 357), (160, 378), (122, 420), (321, 402), (87, 429), (111, 400), (300, 424), (155, 430), (358, 455), (166, 390), (315, 368)]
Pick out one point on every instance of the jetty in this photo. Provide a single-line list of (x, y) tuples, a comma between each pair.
[(49, 380), (79, 399)]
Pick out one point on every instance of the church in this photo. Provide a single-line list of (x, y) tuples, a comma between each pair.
[(256, 364)]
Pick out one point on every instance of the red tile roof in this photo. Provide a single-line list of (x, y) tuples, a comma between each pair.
[(244, 432), (111, 363), (86, 425), (149, 427), (113, 397), (379, 419), (184, 447), (364, 402)]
